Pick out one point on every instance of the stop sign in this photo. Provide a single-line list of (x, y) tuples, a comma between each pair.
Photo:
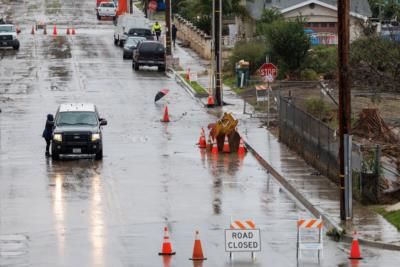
[(268, 72)]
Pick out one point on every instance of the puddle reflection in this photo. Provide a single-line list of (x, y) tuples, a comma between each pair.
[(72, 181)]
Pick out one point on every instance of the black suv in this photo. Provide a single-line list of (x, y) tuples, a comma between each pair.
[(77, 132), (149, 53)]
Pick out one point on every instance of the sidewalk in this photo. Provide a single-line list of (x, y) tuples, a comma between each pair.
[(317, 193)]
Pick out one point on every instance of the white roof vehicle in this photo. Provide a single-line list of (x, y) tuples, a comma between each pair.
[(106, 9), (125, 22)]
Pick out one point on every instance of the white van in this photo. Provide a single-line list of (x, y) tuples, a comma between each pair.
[(125, 22)]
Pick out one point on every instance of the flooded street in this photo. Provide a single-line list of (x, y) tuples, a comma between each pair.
[(112, 212)]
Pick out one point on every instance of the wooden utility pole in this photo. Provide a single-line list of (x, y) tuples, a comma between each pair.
[(168, 38), (344, 113), (217, 22)]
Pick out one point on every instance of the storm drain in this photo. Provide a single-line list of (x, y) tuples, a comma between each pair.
[(14, 250)]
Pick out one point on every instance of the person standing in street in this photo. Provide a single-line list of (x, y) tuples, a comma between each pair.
[(174, 30), (157, 30), (48, 132)]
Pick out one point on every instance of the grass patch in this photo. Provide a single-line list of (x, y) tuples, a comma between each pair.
[(391, 216), (52, 6), (230, 81), (195, 85), (32, 7), (159, 16), (139, 5)]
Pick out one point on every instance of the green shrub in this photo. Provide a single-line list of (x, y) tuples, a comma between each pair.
[(253, 51), (309, 75), (317, 107), (322, 59)]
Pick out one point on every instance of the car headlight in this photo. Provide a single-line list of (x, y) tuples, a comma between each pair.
[(57, 137), (95, 137)]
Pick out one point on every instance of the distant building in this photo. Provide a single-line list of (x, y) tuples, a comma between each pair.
[(321, 15)]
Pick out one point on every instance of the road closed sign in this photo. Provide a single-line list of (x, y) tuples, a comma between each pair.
[(242, 240)]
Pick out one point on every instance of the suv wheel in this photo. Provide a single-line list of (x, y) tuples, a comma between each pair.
[(16, 47), (99, 155)]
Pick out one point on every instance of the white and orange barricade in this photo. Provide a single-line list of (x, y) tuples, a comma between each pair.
[(242, 236), (310, 236), (262, 93)]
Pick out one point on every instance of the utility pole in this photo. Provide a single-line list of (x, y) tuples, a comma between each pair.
[(131, 6), (344, 113), (217, 21), (168, 27)]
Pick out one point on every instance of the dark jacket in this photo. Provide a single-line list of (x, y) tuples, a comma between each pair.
[(174, 30), (48, 129)]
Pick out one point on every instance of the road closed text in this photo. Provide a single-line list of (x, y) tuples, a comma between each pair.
[(242, 240)]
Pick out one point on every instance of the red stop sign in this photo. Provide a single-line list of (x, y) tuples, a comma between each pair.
[(268, 71)]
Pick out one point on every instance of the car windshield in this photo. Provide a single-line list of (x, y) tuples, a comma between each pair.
[(77, 118), (140, 32), (133, 41), (7, 28), (107, 4)]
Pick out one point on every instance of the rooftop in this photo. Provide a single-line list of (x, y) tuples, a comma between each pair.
[(359, 8)]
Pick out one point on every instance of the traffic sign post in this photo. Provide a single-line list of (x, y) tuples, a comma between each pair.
[(268, 72)]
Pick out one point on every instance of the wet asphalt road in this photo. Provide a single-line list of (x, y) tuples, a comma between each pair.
[(112, 212)]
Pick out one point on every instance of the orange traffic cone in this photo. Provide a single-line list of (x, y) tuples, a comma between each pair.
[(73, 30), (197, 249), (226, 148), (67, 30), (44, 30), (241, 149), (55, 30), (210, 101), (166, 246), (33, 30), (166, 116), (202, 140), (355, 253), (214, 149)]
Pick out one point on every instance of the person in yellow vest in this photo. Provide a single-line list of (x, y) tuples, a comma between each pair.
[(156, 29)]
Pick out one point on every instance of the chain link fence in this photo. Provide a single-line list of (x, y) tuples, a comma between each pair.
[(318, 144)]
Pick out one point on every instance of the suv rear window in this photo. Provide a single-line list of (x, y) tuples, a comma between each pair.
[(139, 32), (107, 5), (77, 118), (151, 47)]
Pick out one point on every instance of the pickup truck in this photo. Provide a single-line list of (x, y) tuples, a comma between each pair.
[(8, 36), (106, 9)]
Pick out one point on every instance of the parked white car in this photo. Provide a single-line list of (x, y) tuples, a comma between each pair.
[(106, 9), (126, 22)]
